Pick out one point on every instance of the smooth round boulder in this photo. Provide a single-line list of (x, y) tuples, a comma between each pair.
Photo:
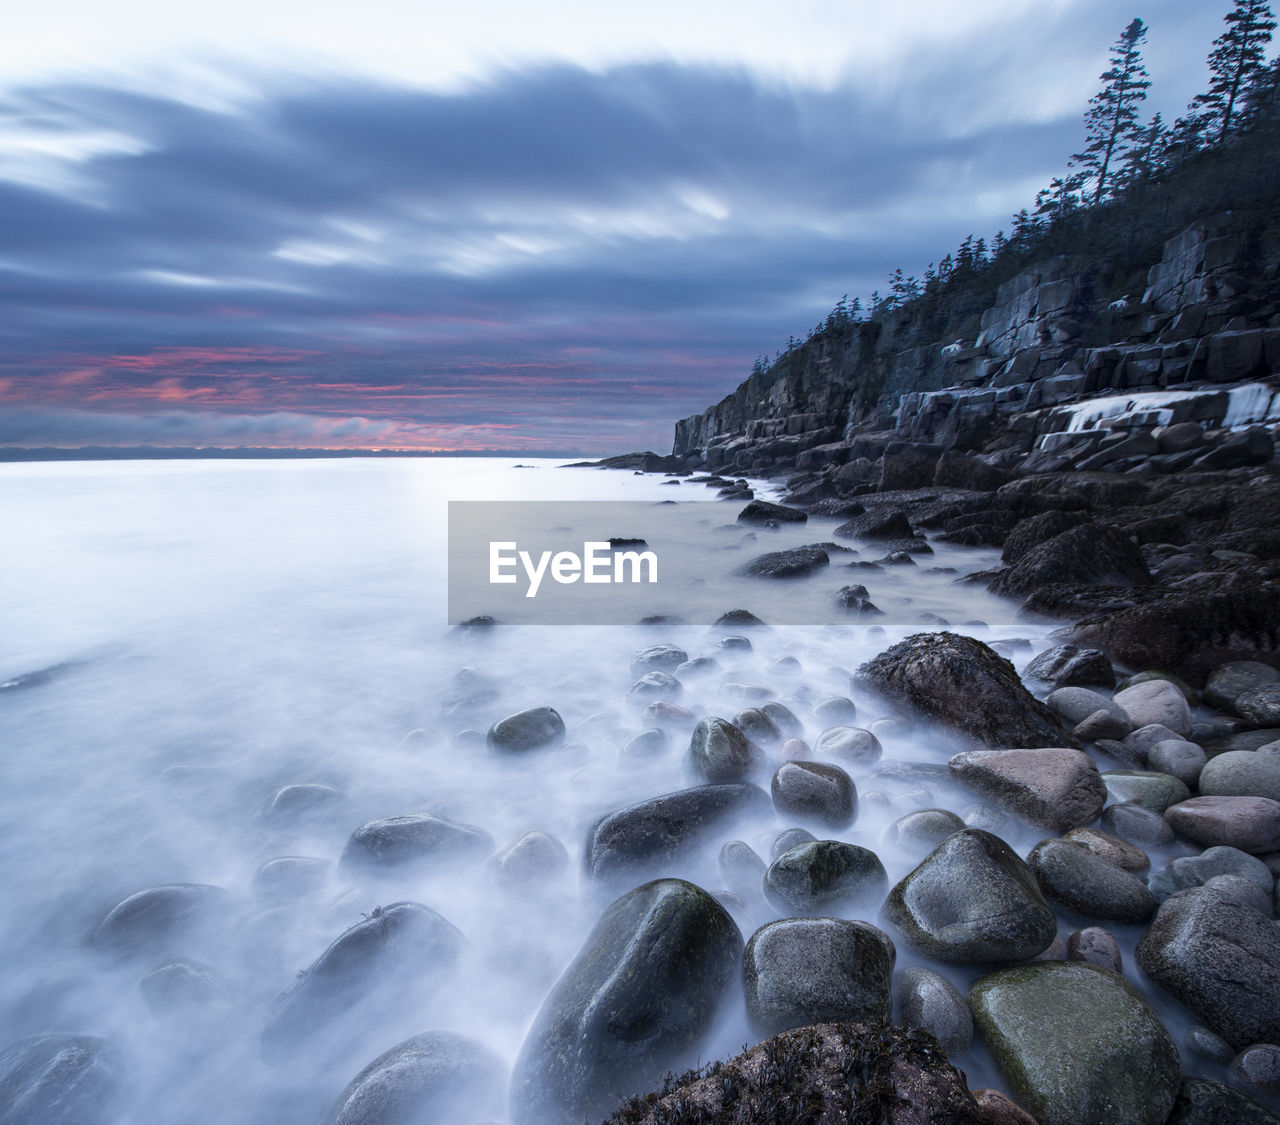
[(391, 956), (1256, 1071), (533, 729), (407, 841), (645, 746), (1205, 1044), (1095, 946), (1251, 824), (922, 830), (1078, 1044), (436, 1076), (972, 900), (1243, 773), (1071, 666), (719, 751), (825, 877), (1075, 704), (1183, 760), (815, 791), (1106, 845), (636, 1001), (1156, 701), (535, 857), (849, 747), (802, 971), (1054, 788), (1187, 871), (1138, 825), (758, 726), (783, 718), (60, 1080), (288, 878), (654, 685), (185, 989), (1260, 705), (741, 868), (160, 919), (789, 838), (931, 1002), (657, 658), (1081, 881), (835, 710), (301, 802), (1151, 790), (1202, 1102)]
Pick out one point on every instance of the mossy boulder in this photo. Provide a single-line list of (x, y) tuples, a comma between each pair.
[(1078, 1044)]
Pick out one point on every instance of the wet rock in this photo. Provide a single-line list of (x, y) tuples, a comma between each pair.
[(757, 726), (933, 1004), (815, 791), (646, 745), (851, 747), (1136, 824), (390, 956), (183, 988), (161, 919), (1081, 881), (741, 869), (1075, 704), (638, 998), (300, 802), (1087, 555), (838, 1072), (1142, 739), (421, 838), (1156, 701), (1078, 1044), (835, 710), (1183, 760), (656, 832), (961, 682), (1071, 666), (657, 658), (881, 523), (1201, 1102), (534, 858), (719, 751), (1219, 957), (436, 1076), (1251, 824), (737, 619), (972, 900), (288, 878), (698, 666), (654, 685), (667, 715), (533, 729), (795, 563), (1033, 531), (1256, 1071), (1105, 845), (855, 600), (790, 838), (1243, 773), (999, 1109), (1204, 1044), (783, 719), (923, 830), (1054, 788), (1095, 946), (1229, 681), (825, 877), (60, 1080), (1151, 790), (761, 511), (817, 970)]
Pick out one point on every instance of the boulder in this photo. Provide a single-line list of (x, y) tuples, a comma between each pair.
[(184, 990), (795, 563), (1229, 681), (1078, 1044), (534, 858), (962, 683), (825, 877), (837, 1072), (1116, 851), (1202, 1102), (657, 658), (850, 747), (405, 841), (1081, 881), (815, 791), (1071, 666), (1243, 773), (1260, 705), (1134, 823), (1087, 555), (741, 868), (1055, 788), (1095, 946), (817, 970), (880, 523), (1148, 788), (971, 900), (1219, 957), (923, 830), (638, 998), (1251, 824), (532, 729), (719, 751), (657, 832), (389, 958), (436, 1076), (761, 511), (1155, 701), (61, 1080), (161, 919), (933, 1004), (1030, 533)]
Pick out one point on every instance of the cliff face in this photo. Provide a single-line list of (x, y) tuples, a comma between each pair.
[(1009, 380)]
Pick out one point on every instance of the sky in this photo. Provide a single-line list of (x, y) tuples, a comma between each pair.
[(497, 225)]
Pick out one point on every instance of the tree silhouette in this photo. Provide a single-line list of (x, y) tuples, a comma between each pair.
[(1237, 58), (1112, 119)]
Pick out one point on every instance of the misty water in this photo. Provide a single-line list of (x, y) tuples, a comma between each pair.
[(214, 631)]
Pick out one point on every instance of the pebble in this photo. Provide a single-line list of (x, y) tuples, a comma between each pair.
[(399, 841), (532, 729), (657, 658), (535, 857), (655, 685), (1205, 1044)]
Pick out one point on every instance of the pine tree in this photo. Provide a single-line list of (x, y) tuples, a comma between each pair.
[(1262, 98), (1146, 157), (1112, 117), (1237, 57)]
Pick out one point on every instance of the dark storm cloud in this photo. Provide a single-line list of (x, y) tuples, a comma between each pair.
[(592, 253)]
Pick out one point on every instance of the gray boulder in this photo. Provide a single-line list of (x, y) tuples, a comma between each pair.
[(1156, 701), (1183, 760), (161, 919), (1081, 881), (1138, 825), (1148, 788), (1071, 666), (651, 834), (534, 858), (1106, 845), (640, 995), (817, 970), (1075, 704), (60, 1080), (1078, 1044), (1229, 681), (923, 830), (436, 1076), (1251, 824), (931, 1002), (815, 791), (532, 729), (972, 900), (825, 877), (719, 751), (962, 683), (657, 658), (1095, 946), (1243, 773), (405, 841), (1054, 788), (1219, 957), (850, 747), (795, 563), (1202, 1102), (741, 868), (1187, 871)]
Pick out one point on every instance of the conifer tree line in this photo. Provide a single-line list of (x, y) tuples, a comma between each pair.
[(1121, 153)]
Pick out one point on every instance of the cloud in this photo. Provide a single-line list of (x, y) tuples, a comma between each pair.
[(601, 250)]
